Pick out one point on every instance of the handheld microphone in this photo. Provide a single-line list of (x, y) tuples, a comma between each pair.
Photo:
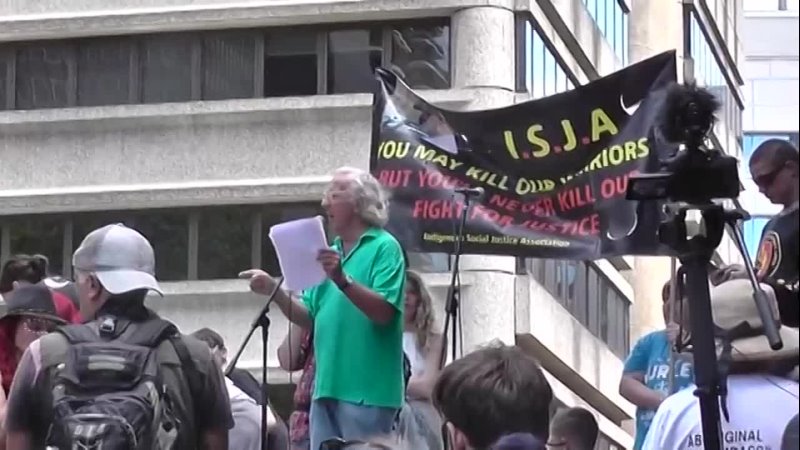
[(470, 192)]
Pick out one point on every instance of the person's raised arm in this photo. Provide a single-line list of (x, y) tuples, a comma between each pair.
[(290, 353), (262, 283)]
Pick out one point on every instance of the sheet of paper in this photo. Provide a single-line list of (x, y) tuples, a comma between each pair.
[(297, 243)]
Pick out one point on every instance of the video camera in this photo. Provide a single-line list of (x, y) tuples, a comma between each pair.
[(696, 174)]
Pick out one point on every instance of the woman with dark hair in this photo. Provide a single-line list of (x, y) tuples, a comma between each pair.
[(30, 314), (27, 269)]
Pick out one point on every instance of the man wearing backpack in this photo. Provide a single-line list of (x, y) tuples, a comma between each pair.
[(124, 380)]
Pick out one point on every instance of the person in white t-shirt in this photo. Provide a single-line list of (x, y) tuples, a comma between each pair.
[(760, 400), (246, 431)]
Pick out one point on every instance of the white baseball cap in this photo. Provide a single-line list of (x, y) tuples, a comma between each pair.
[(121, 258)]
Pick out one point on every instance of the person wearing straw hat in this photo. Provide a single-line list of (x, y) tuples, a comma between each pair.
[(760, 398)]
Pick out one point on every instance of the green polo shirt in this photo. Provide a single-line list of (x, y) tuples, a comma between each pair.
[(358, 360)]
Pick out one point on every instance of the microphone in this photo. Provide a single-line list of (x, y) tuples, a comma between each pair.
[(470, 192)]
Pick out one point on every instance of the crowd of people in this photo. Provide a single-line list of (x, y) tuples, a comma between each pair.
[(86, 364)]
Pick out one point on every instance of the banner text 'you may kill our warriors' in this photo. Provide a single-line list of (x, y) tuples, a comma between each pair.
[(554, 170)]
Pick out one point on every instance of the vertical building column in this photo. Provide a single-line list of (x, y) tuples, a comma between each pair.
[(483, 58), (655, 27)]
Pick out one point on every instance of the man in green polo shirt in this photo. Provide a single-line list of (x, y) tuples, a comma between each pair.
[(356, 314)]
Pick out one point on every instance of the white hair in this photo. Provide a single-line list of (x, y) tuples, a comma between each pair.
[(372, 201)]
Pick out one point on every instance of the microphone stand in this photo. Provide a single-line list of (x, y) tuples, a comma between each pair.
[(262, 321), (452, 302)]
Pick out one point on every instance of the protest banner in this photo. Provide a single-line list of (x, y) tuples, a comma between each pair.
[(554, 170)]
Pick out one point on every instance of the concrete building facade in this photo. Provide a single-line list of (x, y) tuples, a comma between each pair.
[(202, 123), (771, 66)]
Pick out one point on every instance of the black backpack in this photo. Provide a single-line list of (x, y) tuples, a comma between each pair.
[(109, 393)]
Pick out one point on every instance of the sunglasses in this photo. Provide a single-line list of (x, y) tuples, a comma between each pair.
[(38, 325), (766, 180), (341, 444)]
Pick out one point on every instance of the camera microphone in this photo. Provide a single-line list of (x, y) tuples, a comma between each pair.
[(688, 113), (470, 192)]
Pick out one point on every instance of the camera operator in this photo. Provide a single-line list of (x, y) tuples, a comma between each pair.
[(774, 166)]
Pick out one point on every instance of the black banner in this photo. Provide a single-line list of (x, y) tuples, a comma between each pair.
[(554, 170)]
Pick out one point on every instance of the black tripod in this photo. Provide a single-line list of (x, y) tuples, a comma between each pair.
[(452, 302), (262, 321), (695, 255)]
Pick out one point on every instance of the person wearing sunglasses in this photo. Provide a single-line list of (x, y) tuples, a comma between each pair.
[(30, 314), (775, 167)]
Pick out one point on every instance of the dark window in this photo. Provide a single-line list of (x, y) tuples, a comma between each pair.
[(168, 233), (104, 72), (541, 72), (224, 241), (167, 68), (40, 234), (275, 214), (421, 55), (4, 67), (218, 65), (290, 63), (229, 60), (353, 56), (83, 224), (43, 75)]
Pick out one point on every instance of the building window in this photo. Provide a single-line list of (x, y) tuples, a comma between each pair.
[(771, 5), (353, 56), (221, 65), (420, 55), (228, 61), (752, 230), (45, 75), (589, 296), (290, 63), (166, 68), (611, 17), (104, 72), (541, 72), (39, 234), (751, 141), (708, 73)]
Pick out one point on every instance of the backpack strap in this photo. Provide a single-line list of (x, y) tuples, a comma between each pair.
[(193, 378), (189, 367)]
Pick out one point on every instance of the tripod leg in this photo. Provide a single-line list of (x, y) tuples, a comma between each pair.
[(759, 296), (705, 352)]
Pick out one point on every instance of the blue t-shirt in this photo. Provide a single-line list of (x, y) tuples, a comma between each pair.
[(650, 356)]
